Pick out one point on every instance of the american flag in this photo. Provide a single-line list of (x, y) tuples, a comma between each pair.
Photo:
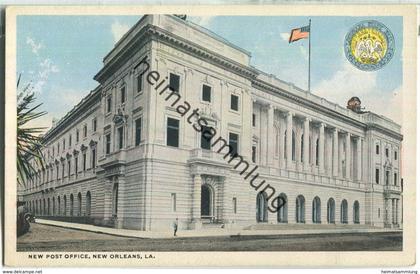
[(299, 33)]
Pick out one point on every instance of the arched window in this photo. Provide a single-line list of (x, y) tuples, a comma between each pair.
[(65, 205), (293, 146), (300, 209), (53, 206), (88, 203), (331, 211), (344, 216), (301, 148), (356, 213), (282, 208), (71, 204), (79, 204), (58, 205), (262, 212), (115, 200), (316, 210), (317, 152)]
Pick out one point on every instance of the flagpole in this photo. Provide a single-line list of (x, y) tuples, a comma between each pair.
[(309, 65)]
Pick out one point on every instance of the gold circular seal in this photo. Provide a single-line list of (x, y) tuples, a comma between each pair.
[(368, 46)]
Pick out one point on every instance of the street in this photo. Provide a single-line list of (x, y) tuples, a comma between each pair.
[(50, 238)]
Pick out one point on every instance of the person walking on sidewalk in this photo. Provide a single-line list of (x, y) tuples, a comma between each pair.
[(175, 225)]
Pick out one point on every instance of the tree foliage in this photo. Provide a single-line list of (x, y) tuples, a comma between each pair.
[(29, 139)]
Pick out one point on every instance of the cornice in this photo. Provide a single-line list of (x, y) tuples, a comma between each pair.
[(307, 103), (86, 102), (202, 53), (385, 131)]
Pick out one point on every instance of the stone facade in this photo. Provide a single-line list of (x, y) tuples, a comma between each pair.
[(125, 157)]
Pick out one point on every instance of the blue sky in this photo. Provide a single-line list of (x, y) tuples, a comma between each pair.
[(61, 54)]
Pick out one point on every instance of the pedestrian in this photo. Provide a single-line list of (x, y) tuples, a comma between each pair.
[(175, 226)]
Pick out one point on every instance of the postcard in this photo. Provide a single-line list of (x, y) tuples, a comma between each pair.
[(276, 136)]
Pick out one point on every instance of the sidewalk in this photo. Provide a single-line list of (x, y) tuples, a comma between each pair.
[(211, 232)]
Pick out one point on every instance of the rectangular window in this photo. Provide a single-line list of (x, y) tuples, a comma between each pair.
[(57, 171), (395, 155), (234, 204), (84, 161), (76, 165), (139, 83), (62, 171), (254, 154), (395, 179), (77, 136), (173, 202), (69, 168), (233, 142), (253, 120), (172, 132), (64, 144), (120, 137), (206, 138), (85, 131), (387, 177), (108, 104), (70, 140), (377, 175), (138, 131), (234, 102), (108, 144), (94, 124), (122, 95), (206, 93), (377, 149), (387, 152), (94, 158), (174, 82)]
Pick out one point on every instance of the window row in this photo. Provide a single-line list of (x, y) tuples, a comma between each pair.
[(300, 203), (120, 136), (377, 150), (64, 168), (61, 206), (387, 177), (52, 151)]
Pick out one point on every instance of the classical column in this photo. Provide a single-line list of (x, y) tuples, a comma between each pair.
[(270, 135), (289, 139), (348, 144), (335, 152), (306, 144), (359, 159), (196, 206), (396, 211), (321, 147)]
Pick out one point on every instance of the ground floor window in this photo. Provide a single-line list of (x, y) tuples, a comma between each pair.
[(262, 212), (356, 213), (331, 211), (300, 209), (316, 210)]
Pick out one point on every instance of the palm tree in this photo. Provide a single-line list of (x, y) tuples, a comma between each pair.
[(29, 143)]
